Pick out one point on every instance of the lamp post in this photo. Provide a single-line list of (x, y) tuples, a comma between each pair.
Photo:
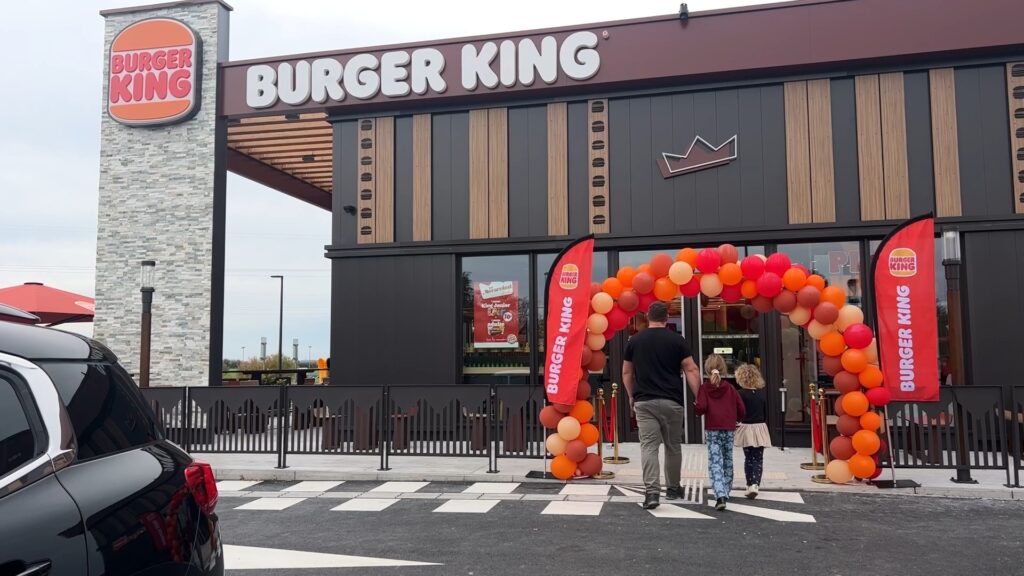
[(280, 324), (309, 357), (146, 287), (951, 265), (243, 353)]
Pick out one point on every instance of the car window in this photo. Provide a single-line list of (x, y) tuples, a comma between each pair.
[(18, 444), (105, 413)]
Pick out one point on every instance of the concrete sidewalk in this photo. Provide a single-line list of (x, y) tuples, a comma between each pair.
[(781, 472)]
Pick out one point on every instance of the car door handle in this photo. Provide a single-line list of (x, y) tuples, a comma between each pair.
[(41, 569)]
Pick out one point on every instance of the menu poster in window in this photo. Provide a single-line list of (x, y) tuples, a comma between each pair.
[(496, 314)]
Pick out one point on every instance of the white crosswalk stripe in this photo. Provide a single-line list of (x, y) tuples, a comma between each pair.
[(673, 511), (768, 513), (235, 485), (364, 505), (492, 488), (568, 508), (400, 487), (585, 490), (790, 497), (467, 506), (270, 504), (312, 486)]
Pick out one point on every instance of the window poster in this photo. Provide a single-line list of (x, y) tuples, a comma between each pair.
[(496, 314)]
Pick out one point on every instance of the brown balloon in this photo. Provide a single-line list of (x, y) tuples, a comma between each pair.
[(587, 355), (566, 408), (785, 302), (808, 297), (847, 425), (597, 361), (550, 416), (832, 365), (826, 313), (841, 448), (839, 409), (846, 382), (576, 450), (583, 390), (591, 464), (762, 304), (629, 301)]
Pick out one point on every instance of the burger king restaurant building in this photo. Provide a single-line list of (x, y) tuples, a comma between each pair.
[(455, 170)]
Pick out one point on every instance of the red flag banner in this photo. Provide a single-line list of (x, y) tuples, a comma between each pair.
[(566, 303), (904, 274)]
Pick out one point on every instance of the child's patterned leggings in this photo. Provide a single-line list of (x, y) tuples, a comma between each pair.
[(720, 461), (753, 464)]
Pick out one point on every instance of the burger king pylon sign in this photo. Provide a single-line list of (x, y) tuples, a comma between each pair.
[(155, 73)]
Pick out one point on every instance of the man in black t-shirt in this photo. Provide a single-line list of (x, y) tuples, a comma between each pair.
[(654, 359)]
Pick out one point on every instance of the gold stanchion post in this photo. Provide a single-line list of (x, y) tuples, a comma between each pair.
[(821, 478), (615, 458), (813, 464), (603, 474)]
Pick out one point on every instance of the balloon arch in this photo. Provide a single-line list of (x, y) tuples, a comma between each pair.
[(765, 284)]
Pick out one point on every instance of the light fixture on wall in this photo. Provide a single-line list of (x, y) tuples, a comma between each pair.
[(684, 12), (349, 209), (308, 158)]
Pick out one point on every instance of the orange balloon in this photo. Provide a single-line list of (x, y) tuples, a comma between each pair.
[(625, 275), (862, 466), (562, 467), (582, 411), (854, 360), (730, 274), (643, 268), (871, 376), (688, 255), (855, 403), (589, 434), (612, 286), (866, 442), (664, 289), (835, 295), (870, 421), (794, 279), (749, 289), (832, 344), (817, 281), (660, 264)]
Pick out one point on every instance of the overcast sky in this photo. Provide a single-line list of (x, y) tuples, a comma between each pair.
[(50, 111)]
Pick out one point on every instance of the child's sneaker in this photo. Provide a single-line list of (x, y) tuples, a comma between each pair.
[(720, 504), (752, 491)]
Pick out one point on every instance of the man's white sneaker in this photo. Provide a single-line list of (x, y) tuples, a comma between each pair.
[(752, 491)]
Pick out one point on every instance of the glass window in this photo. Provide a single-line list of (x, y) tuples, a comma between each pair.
[(104, 408), (495, 317), (17, 442)]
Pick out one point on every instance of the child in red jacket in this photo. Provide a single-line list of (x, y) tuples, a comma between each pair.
[(721, 407)]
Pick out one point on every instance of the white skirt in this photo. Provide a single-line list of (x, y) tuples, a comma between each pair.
[(753, 436)]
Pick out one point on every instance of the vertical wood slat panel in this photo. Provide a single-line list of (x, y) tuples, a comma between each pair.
[(819, 128), (599, 184), (384, 177), (421, 177), (1016, 124), (365, 181), (798, 174), (869, 148), (892, 101), (478, 174), (945, 145), (558, 169), (497, 172)]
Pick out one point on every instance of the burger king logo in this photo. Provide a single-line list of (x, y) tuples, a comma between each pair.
[(154, 73), (902, 262), (569, 277)]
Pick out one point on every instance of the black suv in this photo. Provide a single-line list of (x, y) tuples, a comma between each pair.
[(88, 484)]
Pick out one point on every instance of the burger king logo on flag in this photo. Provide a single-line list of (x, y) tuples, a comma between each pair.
[(902, 262), (569, 277), (155, 73)]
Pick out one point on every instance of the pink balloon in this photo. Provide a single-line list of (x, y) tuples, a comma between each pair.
[(728, 253), (858, 336), (643, 283), (879, 396), (731, 294), (629, 301), (617, 319), (769, 285), (778, 263), (752, 267), (708, 260)]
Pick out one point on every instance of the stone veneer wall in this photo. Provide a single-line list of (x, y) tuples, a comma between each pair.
[(157, 202)]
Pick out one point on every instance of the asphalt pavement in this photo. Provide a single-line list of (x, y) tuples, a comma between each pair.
[(420, 528)]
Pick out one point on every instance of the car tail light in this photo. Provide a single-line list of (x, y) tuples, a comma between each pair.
[(202, 484)]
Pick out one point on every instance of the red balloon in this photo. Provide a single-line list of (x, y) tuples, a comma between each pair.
[(643, 283), (879, 396), (597, 361), (708, 261), (769, 285), (827, 313), (645, 301), (841, 448), (858, 336), (629, 301), (731, 294), (576, 450), (550, 417), (847, 425), (762, 304), (832, 365), (660, 265), (785, 302), (691, 289), (877, 473), (595, 287), (583, 390), (587, 355), (608, 335), (846, 382), (839, 409), (728, 253), (777, 264), (617, 319), (808, 297), (591, 464), (752, 267)]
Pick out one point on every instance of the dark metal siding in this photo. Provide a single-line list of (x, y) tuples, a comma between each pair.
[(527, 171), (345, 158), (579, 160), (773, 143), (844, 149), (983, 126), (403, 179), (381, 336), (920, 168), (620, 178), (450, 176), (995, 304)]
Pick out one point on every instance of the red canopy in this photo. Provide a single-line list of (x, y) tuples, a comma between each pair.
[(53, 306)]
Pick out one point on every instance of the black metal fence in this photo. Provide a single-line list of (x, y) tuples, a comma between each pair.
[(1016, 420), (487, 421)]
